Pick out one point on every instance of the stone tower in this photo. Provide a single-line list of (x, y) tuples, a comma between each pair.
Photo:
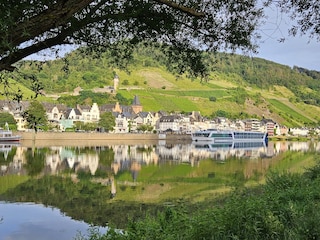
[(115, 82)]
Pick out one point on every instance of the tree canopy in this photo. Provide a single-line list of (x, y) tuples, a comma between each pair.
[(27, 27), (36, 116), (107, 121), (7, 118)]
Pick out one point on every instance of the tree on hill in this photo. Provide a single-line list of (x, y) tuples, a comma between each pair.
[(28, 27)]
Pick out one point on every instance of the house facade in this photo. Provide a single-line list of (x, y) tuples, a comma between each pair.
[(171, 123)]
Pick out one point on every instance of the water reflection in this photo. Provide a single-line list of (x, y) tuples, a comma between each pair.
[(14, 158), (37, 222), (141, 173)]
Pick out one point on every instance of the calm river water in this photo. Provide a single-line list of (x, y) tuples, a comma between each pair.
[(35, 204)]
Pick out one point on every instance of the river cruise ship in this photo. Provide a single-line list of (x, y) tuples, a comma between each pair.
[(223, 136)]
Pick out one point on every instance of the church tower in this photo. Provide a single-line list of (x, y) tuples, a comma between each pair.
[(136, 105)]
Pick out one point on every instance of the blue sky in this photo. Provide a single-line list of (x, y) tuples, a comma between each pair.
[(294, 51)]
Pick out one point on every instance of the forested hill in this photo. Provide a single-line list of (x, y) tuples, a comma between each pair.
[(237, 86), (304, 83)]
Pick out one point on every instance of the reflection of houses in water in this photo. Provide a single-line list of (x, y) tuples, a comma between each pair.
[(14, 167), (174, 152), (60, 158), (282, 146), (303, 146), (53, 160), (115, 166), (113, 187), (135, 168), (86, 161), (18, 160), (80, 161), (141, 153), (133, 157)]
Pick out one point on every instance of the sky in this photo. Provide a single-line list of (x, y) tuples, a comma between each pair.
[(298, 51), (293, 52)]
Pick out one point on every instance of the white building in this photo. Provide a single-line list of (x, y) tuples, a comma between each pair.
[(90, 114)]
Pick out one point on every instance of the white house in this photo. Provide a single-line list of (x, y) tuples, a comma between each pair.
[(299, 131), (121, 123), (90, 114), (54, 112), (73, 114), (170, 123)]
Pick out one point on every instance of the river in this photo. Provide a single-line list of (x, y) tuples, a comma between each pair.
[(54, 192)]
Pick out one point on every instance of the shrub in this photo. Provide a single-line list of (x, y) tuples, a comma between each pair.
[(212, 99)]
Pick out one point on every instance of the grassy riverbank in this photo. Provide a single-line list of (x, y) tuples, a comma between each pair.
[(286, 207)]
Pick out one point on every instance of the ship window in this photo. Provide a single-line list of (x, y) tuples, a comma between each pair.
[(222, 135)]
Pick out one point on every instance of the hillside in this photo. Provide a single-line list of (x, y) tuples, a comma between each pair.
[(237, 86)]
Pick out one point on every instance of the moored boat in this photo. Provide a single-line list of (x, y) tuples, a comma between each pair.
[(7, 136), (223, 136)]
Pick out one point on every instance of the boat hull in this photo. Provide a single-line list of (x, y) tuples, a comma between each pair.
[(10, 139)]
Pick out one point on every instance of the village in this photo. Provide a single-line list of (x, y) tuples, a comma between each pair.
[(129, 119)]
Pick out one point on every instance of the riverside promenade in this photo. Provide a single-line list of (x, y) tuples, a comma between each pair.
[(92, 139)]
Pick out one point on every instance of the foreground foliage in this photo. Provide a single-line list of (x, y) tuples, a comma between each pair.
[(286, 207), (30, 27)]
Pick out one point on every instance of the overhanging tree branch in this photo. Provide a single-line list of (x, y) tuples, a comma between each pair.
[(189, 11), (58, 14), (6, 62), (188, 23)]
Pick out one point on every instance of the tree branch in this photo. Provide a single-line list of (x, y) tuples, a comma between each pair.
[(54, 16), (6, 62), (189, 11)]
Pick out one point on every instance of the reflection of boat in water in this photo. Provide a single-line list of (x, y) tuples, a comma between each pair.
[(6, 147), (228, 136), (228, 145)]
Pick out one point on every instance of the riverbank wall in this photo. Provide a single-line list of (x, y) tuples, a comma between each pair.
[(96, 139)]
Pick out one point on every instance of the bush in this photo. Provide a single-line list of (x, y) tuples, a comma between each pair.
[(125, 82), (212, 99)]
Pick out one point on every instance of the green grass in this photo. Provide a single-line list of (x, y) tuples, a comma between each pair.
[(193, 93), (14, 86), (295, 161), (11, 181), (291, 116)]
